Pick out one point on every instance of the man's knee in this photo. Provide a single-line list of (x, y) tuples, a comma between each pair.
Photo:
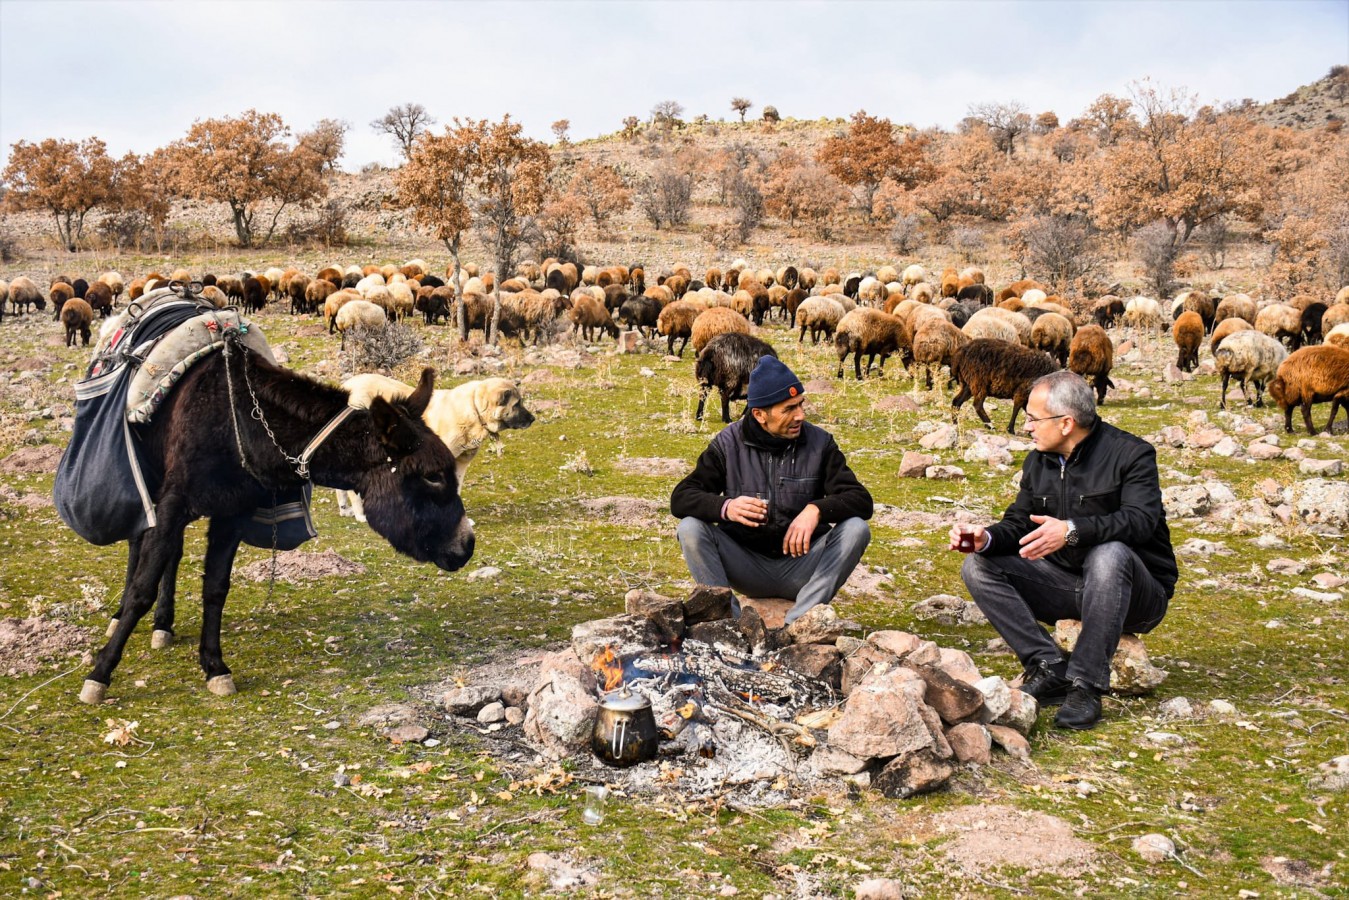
[(693, 531), (853, 533), (1109, 560), (974, 570)]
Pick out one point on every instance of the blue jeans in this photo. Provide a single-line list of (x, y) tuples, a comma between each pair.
[(716, 559), (1113, 593)]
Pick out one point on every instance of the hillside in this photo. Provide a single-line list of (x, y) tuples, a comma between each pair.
[(1312, 105)]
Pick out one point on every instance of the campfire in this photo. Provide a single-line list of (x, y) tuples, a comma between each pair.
[(679, 692)]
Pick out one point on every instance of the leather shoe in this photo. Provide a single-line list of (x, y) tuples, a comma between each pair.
[(1082, 709), (1046, 683)]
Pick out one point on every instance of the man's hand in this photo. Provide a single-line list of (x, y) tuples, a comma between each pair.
[(1047, 539), (976, 531), (797, 540), (748, 511)]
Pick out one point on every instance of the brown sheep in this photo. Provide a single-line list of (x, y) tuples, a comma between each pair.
[(215, 296), (676, 323), (715, 321), (331, 275), (1091, 355), (99, 298), (950, 283), (806, 279), (1312, 375), (792, 302), (830, 276), (712, 278), (76, 316), (873, 333), (296, 285), (1281, 322), (934, 345), (819, 314), (661, 294), (615, 295), (677, 285), (317, 293), (1235, 306), (1188, 334), (1052, 333), (61, 293), (986, 368), (1335, 314), (1225, 328), (637, 279), (588, 314)]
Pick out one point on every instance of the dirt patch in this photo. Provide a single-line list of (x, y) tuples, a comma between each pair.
[(864, 581), (988, 837), (295, 565), (1295, 872), (541, 376), (659, 466), (630, 512), (28, 501), (896, 404), (27, 645), (820, 386), (41, 459), (917, 520)]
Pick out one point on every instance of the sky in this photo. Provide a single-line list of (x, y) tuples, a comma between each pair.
[(137, 74)]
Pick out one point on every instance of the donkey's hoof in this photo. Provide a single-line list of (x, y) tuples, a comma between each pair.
[(93, 692), (221, 685), (161, 639), (112, 626)]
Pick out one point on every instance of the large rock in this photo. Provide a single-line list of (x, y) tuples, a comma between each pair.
[(666, 612), (997, 697), (954, 700), (1333, 775), (628, 636), (466, 701), (1184, 501), (827, 760), (959, 665), (1021, 713), (971, 743), (860, 662), (1319, 501), (913, 773), (881, 718), (897, 643), (1323, 468), (773, 610), (723, 632), (822, 662), (561, 715), (1131, 672), (818, 625), (913, 464), (707, 604), (942, 438)]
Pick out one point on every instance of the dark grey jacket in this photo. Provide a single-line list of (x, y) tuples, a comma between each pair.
[(1109, 488)]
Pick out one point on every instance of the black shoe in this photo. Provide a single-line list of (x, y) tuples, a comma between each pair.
[(1082, 709), (1046, 683)]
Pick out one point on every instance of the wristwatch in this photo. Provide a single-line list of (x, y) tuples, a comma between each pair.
[(1070, 537)]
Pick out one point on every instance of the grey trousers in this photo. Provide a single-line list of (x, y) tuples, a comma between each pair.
[(1114, 593), (716, 559)]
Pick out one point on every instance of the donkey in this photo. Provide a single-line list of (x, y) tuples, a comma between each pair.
[(235, 430)]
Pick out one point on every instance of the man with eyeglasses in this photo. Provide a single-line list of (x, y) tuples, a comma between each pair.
[(1086, 538), (772, 508)]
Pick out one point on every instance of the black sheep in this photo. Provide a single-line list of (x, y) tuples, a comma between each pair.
[(981, 294), (992, 368), (1311, 323), (640, 313), (726, 363)]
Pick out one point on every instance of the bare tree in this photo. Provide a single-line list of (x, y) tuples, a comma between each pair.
[(667, 114), (741, 105), (1060, 249), (1156, 247), (404, 123), (1005, 122)]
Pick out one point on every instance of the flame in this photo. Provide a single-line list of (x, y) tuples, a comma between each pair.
[(608, 669)]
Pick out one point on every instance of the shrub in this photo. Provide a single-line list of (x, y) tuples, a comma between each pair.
[(906, 235), (327, 227), (968, 242), (665, 197), (1060, 250), (9, 245), (770, 114), (1213, 237), (1156, 248), (378, 349)]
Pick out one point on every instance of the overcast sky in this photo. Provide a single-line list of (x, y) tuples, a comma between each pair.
[(137, 74)]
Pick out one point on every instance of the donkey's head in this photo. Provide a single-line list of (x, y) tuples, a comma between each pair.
[(412, 499)]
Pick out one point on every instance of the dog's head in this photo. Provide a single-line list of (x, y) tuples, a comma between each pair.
[(500, 405)]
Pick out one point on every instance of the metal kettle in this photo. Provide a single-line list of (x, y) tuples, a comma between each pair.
[(625, 729)]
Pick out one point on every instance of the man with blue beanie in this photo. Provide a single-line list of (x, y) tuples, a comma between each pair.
[(772, 509)]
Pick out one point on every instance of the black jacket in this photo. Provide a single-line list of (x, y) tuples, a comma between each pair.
[(1109, 488), (791, 474)]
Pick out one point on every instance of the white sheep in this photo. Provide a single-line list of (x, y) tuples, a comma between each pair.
[(914, 274), (819, 314), (1019, 323), (1338, 336), (1143, 313), (1248, 355), (359, 312)]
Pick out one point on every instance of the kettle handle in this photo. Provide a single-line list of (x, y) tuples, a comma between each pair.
[(620, 737)]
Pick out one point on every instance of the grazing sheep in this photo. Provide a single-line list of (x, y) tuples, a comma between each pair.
[(1281, 322), (296, 285), (359, 312), (830, 276), (1019, 322), (76, 316), (974, 274), (819, 314), (987, 368), (935, 343), (787, 277), (950, 283), (1223, 329), (923, 292), (24, 293), (215, 296), (1235, 306), (806, 279), (533, 314), (887, 274), (1342, 295), (871, 291), (1311, 375), (330, 274), (1012, 304), (1188, 333), (714, 321), (660, 294), (1053, 334), (1312, 329), (1248, 355), (435, 303), (1091, 355), (4, 296), (114, 282), (726, 363), (589, 314), (61, 291), (1144, 313), (317, 293), (676, 323), (712, 278), (792, 303), (989, 328), (333, 303), (1201, 303), (1336, 314), (870, 332), (979, 293), (99, 298), (1338, 336), (912, 275), (640, 313), (1107, 310)]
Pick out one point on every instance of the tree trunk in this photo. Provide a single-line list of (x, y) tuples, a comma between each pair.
[(496, 310), (242, 226), (63, 229), (460, 316)]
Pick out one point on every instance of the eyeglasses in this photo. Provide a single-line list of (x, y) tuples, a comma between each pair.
[(1032, 421)]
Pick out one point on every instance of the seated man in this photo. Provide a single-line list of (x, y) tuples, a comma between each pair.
[(772, 509), (1085, 539)]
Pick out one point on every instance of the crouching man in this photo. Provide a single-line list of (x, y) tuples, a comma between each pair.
[(772, 509), (1085, 539)]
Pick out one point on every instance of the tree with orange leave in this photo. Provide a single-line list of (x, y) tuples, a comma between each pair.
[(436, 185), (65, 178), (869, 153), (798, 190), (1005, 122), (1111, 118), (974, 178), (558, 222), (138, 189), (327, 140), (245, 162), (602, 191)]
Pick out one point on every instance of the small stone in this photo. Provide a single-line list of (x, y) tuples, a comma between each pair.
[(820, 662), (1334, 775), (707, 604), (1270, 542), (666, 612), (959, 665), (1221, 708), (515, 715), (1294, 454), (341, 779), (944, 473), (1262, 451), (1154, 848), (943, 438), (997, 697), (1021, 713), (1227, 447), (1318, 596), (773, 610), (828, 760), (486, 573), (1285, 566), (879, 889), (1322, 468), (1011, 741), (953, 699), (1328, 580), (1205, 439), (1165, 738), (492, 712), (407, 734), (1176, 708), (944, 609), (466, 701), (913, 773), (915, 464), (971, 743), (818, 625)]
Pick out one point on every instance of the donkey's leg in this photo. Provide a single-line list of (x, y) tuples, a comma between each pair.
[(222, 543), (162, 637), (158, 546), (132, 555)]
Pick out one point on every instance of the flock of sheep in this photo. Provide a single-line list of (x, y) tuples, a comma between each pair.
[(993, 343)]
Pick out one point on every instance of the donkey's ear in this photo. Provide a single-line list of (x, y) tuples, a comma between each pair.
[(395, 432), (419, 398)]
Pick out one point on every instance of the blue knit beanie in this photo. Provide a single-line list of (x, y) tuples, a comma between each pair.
[(772, 382)]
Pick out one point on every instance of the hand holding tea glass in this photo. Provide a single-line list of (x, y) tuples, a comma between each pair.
[(967, 538)]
